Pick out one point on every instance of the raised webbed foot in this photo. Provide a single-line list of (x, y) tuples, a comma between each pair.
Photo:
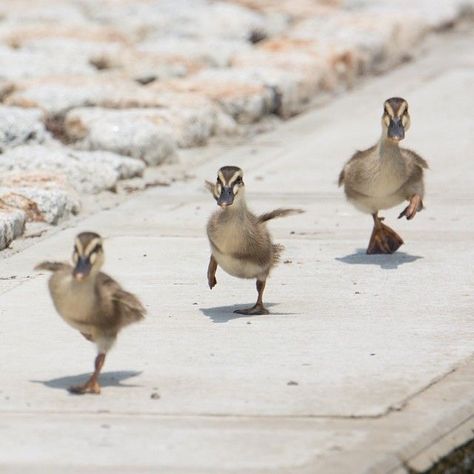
[(416, 205)]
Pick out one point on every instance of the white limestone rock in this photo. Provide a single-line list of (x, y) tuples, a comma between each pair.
[(432, 14), (378, 38), (50, 12), (125, 167), (293, 76), (193, 116), (239, 93), (145, 66), (57, 95), (220, 19), (43, 196), (180, 18), (12, 225), (45, 205), (127, 132), (207, 51), (84, 176), (18, 64), (20, 126), (87, 50), (188, 124)]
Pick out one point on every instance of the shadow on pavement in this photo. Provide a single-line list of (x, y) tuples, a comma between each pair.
[(107, 379), (224, 314), (387, 262)]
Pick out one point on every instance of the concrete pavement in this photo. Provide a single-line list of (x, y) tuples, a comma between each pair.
[(364, 365)]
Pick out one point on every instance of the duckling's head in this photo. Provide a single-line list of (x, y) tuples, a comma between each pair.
[(88, 255), (395, 119), (229, 187)]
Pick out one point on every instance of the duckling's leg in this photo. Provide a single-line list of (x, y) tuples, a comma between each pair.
[(211, 273), (92, 385), (383, 238), (416, 205), (258, 308)]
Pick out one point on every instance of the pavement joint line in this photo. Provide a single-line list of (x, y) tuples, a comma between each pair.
[(198, 415)]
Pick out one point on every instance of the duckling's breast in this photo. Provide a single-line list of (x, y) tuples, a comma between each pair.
[(372, 204), (75, 302), (376, 182), (240, 250), (379, 179), (239, 267)]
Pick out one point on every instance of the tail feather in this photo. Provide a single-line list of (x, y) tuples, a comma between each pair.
[(52, 266), (342, 176), (278, 213)]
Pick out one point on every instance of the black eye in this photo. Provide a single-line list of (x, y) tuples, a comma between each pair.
[(238, 180), (97, 248)]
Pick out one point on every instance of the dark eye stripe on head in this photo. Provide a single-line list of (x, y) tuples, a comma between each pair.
[(236, 179), (97, 248), (92, 246)]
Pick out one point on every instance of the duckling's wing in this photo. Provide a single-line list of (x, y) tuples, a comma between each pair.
[(357, 156), (53, 266), (125, 304), (278, 213), (419, 161)]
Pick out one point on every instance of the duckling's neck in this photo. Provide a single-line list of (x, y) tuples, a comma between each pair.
[(387, 148), (87, 284), (237, 210)]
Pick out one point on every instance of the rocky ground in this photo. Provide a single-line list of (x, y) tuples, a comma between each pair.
[(94, 92)]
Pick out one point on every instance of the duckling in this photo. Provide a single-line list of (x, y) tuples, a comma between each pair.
[(385, 175), (240, 242), (91, 301)]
